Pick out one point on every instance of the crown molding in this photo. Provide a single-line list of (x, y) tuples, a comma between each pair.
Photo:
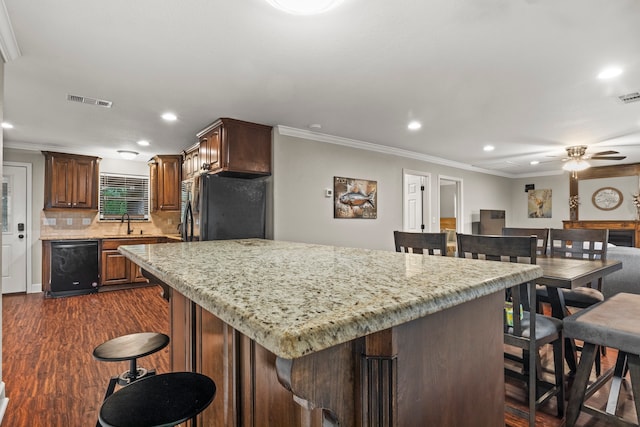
[(361, 145), (8, 45)]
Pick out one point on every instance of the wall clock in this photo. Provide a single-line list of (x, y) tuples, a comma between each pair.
[(607, 198)]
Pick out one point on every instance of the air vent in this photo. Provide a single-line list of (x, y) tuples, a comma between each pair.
[(90, 101), (630, 97)]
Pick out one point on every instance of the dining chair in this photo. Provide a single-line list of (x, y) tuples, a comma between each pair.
[(581, 243), (519, 331), (418, 243), (542, 236)]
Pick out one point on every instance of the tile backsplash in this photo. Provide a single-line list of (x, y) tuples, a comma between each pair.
[(88, 224)]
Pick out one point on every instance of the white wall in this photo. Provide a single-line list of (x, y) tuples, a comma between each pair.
[(447, 201), (517, 214), (126, 167), (559, 184), (628, 186), (303, 169)]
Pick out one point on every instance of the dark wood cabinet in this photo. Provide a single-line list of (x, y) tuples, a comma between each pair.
[(165, 176), (115, 268), (232, 147), (71, 181), (191, 161)]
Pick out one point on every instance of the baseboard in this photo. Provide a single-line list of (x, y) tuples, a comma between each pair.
[(4, 401), (35, 288)]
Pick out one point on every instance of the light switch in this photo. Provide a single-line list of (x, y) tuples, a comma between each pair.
[(328, 192)]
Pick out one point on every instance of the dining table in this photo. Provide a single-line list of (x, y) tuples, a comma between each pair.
[(570, 273)]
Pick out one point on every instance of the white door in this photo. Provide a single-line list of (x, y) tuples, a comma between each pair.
[(414, 207), (14, 229)]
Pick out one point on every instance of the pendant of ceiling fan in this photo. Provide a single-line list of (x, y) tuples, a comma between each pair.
[(578, 152)]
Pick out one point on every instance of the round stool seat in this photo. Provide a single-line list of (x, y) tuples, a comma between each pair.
[(160, 400), (130, 346)]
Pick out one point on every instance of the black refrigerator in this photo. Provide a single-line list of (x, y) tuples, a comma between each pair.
[(223, 208)]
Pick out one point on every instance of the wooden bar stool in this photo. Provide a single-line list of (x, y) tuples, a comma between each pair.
[(613, 323), (159, 400), (130, 347)]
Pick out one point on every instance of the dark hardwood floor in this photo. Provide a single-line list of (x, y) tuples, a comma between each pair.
[(52, 380), (50, 375)]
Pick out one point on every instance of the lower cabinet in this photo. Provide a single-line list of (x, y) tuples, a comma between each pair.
[(116, 268)]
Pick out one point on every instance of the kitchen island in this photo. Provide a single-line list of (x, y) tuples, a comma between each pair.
[(310, 335)]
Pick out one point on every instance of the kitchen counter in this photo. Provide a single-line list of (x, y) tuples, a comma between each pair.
[(99, 236), (295, 298), (300, 334)]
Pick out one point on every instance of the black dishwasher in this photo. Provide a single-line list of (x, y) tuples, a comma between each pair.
[(74, 267)]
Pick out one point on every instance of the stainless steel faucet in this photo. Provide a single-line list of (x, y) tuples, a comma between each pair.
[(129, 229)]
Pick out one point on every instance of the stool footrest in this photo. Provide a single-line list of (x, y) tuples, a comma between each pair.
[(602, 415)]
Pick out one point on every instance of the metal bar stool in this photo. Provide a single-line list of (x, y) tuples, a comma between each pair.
[(130, 347), (161, 400), (613, 323)]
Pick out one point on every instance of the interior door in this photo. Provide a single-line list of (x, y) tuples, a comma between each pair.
[(415, 203), (14, 229)]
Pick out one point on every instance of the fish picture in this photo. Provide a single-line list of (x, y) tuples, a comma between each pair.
[(355, 198)]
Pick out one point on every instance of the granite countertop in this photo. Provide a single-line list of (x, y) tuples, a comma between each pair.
[(295, 299), (71, 236)]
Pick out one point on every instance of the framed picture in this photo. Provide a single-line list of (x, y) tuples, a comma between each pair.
[(607, 198), (539, 203), (354, 198)]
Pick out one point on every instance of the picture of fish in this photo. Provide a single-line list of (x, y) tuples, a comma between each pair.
[(355, 198)]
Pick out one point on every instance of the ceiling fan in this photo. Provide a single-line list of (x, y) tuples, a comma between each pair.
[(577, 158)]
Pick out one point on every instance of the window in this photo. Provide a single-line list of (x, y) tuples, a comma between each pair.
[(120, 194)]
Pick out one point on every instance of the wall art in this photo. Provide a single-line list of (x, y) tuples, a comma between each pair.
[(539, 203), (355, 198)]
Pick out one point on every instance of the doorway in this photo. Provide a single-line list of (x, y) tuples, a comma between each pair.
[(16, 227), (450, 203), (416, 201)]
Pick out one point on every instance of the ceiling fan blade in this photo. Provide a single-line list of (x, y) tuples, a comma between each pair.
[(607, 157), (604, 153)]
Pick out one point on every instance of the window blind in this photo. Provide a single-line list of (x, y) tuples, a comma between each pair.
[(120, 194)]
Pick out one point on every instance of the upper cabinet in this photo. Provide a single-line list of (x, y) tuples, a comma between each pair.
[(71, 181), (232, 147), (191, 161), (165, 177)]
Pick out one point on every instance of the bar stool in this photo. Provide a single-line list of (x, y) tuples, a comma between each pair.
[(159, 400), (130, 347), (613, 323)]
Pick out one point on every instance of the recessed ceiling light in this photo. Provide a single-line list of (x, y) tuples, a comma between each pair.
[(414, 125), (143, 143), (7, 125), (609, 73), (315, 126), (170, 117), (488, 148), (306, 7), (534, 162), (128, 154)]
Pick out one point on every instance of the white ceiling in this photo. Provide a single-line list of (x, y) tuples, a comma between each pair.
[(517, 74)]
